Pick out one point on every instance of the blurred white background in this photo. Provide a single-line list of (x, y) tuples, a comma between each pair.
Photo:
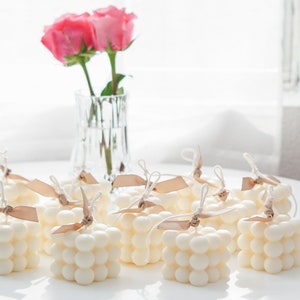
[(206, 72)]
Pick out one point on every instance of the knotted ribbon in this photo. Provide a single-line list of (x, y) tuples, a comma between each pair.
[(87, 215), (269, 213), (20, 212), (7, 174), (222, 193), (167, 224), (248, 183), (47, 190)]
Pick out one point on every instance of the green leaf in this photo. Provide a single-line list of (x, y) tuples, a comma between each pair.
[(107, 91)]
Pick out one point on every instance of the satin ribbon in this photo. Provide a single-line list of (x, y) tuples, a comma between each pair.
[(269, 213), (87, 215), (21, 212), (47, 190), (8, 174), (196, 217), (88, 178)]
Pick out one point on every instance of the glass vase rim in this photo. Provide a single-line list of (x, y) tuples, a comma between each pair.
[(86, 94)]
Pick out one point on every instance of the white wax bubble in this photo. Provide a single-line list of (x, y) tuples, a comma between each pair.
[(182, 274), (257, 246), (224, 271), (243, 258), (225, 237), (84, 260), (282, 191), (140, 257), (273, 232), (33, 244), (33, 228), (6, 250), (69, 238), (296, 225), (56, 251), (198, 278), (287, 261), (126, 252), (156, 238), (68, 255), (33, 260), (214, 257), (199, 244), (182, 258), (142, 224), (100, 227), (257, 262), (101, 272), (113, 269), (273, 249), (199, 261), (230, 217), (183, 241), (19, 230), (273, 265), (20, 247), (244, 226), (213, 274), (287, 228), (126, 238), (126, 221), (168, 272), (56, 268), (139, 240), (114, 253), (258, 229), (85, 242), (243, 241), (169, 238), (155, 254), (288, 245), (19, 263), (68, 271), (122, 200), (50, 215), (84, 276), (65, 217), (114, 235), (214, 241), (101, 239), (6, 233), (101, 256), (6, 266), (168, 255), (296, 256)]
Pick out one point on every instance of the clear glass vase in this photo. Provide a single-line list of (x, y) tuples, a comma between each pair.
[(101, 145)]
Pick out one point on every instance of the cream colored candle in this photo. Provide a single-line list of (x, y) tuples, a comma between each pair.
[(269, 246), (196, 256), (88, 255), (135, 246), (19, 246)]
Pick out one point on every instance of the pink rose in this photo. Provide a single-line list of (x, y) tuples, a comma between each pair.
[(65, 36), (113, 27)]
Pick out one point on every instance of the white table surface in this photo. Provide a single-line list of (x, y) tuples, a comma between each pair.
[(146, 282)]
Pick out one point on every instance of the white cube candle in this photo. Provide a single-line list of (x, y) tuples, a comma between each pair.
[(269, 246), (196, 256), (19, 246), (88, 255)]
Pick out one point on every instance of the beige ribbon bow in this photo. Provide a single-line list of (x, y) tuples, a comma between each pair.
[(222, 193), (196, 217), (47, 190), (7, 174), (87, 215), (197, 164), (20, 212), (88, 178), (269, 213), (248, 183)]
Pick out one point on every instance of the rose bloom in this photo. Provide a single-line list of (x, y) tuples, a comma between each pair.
[(113, 27), (65, 36)]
